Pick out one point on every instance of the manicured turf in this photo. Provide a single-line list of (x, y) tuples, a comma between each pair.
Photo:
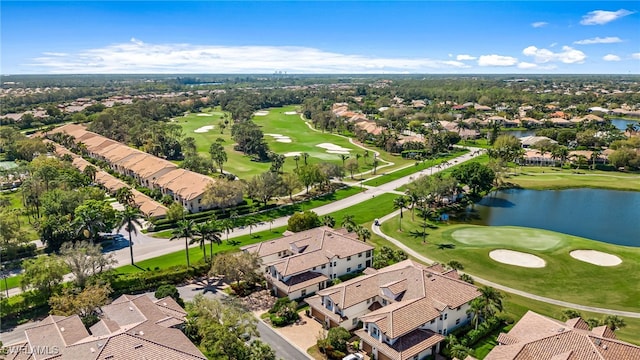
[(501, 236), (12, 282), (564, 278), (195, 253), (542, 178), (367, 211), (391, 176), (276, 122)]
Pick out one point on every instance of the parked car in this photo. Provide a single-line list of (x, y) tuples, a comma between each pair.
[(354, 356)]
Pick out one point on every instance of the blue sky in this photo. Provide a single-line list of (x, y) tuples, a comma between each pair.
[(575, 37)]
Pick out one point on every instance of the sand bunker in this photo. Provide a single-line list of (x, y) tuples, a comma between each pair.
[(290, 112), (333, 148), (261, 113), (517, 258), (292, 153), (204, 114), (203, 129), (596, 257), (280, 138)]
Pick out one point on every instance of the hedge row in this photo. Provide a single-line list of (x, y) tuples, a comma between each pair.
[(20, 252)]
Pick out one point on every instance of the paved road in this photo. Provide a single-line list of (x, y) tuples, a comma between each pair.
[(408, 250)]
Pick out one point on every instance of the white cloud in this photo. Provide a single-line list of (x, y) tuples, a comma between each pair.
[(463, 57), (568, 55), (497, 60), (553, 44), (137, 56), (611, 57), (539, 24), (527, 65), (601, 17), (599, 40), (636, 56)]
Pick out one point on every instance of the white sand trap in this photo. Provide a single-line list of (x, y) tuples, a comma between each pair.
[(290, 112), (292, 153), (202, 114), (517, 258), (333, 148), (261, 113), (203, 129), (280, 138), (596, 257)]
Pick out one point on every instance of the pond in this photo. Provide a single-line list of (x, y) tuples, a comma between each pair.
[(604, 215), (520, 133), (621, 124)]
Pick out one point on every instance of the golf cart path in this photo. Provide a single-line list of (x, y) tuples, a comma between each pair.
[(420, 257)]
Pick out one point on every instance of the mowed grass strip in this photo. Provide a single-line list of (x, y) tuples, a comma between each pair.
[(195, 253), (418, 166), (366, 211), (563, 277), (527, 238)]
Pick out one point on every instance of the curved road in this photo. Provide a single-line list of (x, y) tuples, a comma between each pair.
[(408, 250)]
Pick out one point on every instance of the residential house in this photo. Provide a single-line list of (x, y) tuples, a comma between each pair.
[(403, 311), (300, 264), (529, 141), (540, 337), (186, 187), (131, 327)]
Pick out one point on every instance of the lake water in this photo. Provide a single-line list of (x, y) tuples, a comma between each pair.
[(622, 123), (520, 133), (603, 215)]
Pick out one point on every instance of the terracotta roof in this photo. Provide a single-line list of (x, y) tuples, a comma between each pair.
[(405, 347), (297, 282), (539, 337), (398, 319)]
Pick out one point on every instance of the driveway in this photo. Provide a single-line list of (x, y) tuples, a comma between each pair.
[(303, 335)]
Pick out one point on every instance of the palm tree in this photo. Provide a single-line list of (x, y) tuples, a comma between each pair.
[(251, 222), (363, 233), (475, 309), (358, 156), (90, 171), (215, 228), (492, 300), (329, 221), (365, 156), (414, 198), (400, 203), (348, 223), (305, 156), (344, 158), (296, 158), (184, 230), (227, 226), (202, 230), (614, 322), (124, 196), (128, 219)]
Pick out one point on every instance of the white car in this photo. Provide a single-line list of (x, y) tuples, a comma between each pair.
[(354, 356)]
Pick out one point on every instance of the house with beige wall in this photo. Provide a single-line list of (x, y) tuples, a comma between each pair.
[(300, 264), (402, 311)]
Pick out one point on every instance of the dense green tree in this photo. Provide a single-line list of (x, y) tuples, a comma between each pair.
[(303, 221), (223, 193), (199, 164), (237, 267), (265, 186), (93, 217), (309, 175), (477, 176), (218, 155), (169, 290), (43, 273), (85, 303)]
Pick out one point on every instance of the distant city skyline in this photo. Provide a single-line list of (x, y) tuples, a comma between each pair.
[(301, 37)]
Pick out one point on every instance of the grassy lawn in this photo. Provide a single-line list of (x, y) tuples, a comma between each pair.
[(563, 277), (367, 211), (542, 178), (390, 176), (276, 121), (15, 199), (195, 253), (12, 282)]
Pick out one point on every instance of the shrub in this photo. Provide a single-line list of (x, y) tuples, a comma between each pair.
[(284, 312), (169, 290), (303, 221)]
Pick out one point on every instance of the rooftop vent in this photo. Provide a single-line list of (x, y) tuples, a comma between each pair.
[(99, 345), (560, 330), (164, 303), (92, 350), (604, 346), (130, 308), (137, 347), (598, 342), (141, 333)]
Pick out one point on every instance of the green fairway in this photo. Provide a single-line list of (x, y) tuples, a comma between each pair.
[(563, 278), (505, 236), (395, 175), (542, 178), (278, 121), (367, 211)]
